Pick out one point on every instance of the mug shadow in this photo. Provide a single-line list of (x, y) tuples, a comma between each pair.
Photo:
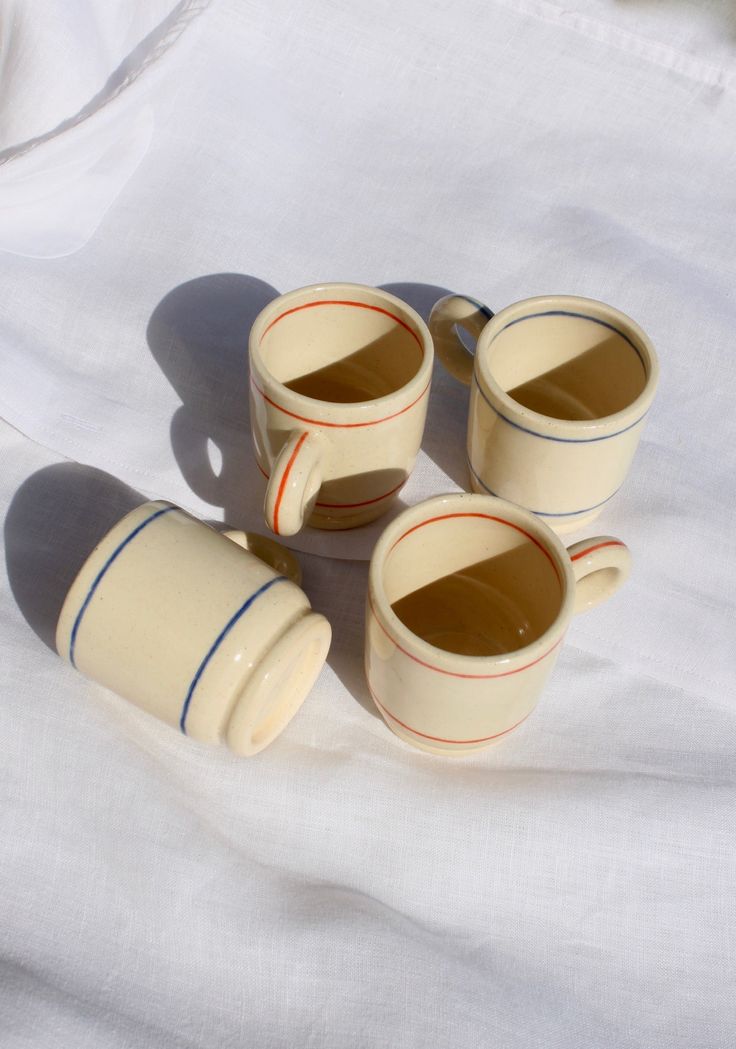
[(56, 518), (447, 414), (375, 369), (322, 579), (485, 608), (198, 336), (599, 381)]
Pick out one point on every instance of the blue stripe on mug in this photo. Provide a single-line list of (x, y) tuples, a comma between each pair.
[(218, 641), (540, 513), (100, 575)]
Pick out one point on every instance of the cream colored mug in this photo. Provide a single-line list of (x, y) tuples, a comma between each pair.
[(186, 624), (469, 598), (560, 389), (340, 377)]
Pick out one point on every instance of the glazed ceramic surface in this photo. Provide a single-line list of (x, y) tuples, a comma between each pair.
[(560, 389), (185, 623), (340, 378), (468, 603)]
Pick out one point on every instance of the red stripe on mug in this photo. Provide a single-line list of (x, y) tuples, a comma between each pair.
[(339, 426), (341, 302), (349, 506), (487, 517), (598, 546), (284, 480), (441, 739), (455, 673)]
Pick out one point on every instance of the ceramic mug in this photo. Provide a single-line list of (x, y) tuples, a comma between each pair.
[(469, 598), (560, 388), (186, 624), (340, 378)]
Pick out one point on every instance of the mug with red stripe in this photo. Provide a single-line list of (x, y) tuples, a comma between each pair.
[(469, 598), (560, 387), (339, 377)]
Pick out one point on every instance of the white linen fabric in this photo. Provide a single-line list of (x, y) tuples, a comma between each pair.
[(74, 118), (576, 885)]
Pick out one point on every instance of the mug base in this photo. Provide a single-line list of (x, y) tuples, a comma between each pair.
[(278, 685), (563, 525), (558, 523), (337, 519), (449, 750)]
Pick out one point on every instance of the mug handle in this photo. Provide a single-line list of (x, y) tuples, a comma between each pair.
[(269, 551), (447, 314), (295, 479), (601, 565)]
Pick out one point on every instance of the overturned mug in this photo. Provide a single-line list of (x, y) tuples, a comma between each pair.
[(188, 625), (560, 388), (469, 599), (340, 378)]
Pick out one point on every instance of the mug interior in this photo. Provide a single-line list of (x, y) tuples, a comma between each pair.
[(473, 584), (343, 348), (568, 363)]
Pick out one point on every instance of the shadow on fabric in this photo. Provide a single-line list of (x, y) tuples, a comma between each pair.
[(198, 336), (350, 580), (56, 518)]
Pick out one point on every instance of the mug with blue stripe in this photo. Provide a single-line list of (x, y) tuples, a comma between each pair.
[(560, 390), (207, 631)]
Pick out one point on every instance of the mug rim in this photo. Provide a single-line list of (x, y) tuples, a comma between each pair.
[(571, 429), (343, 412), (456, 663)]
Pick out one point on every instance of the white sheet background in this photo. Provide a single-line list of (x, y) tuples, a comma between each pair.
[(75, 115), (574, 887)]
